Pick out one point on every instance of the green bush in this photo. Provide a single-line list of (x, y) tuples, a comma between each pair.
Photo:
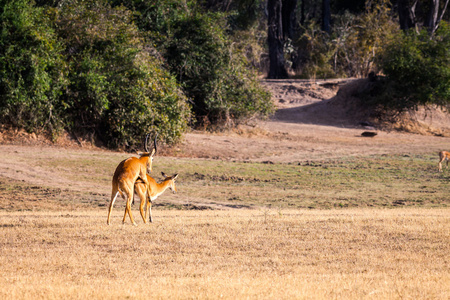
[(417, 70), (214, 75), (118, 90), (33, 71), (351, 48), (223, 88), (98, 68)]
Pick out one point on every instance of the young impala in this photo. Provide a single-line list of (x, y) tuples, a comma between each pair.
[(125, 176), (443, 155), (152, 192)]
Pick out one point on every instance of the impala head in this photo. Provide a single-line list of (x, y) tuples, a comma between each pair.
[(171, 179), (148, 153)]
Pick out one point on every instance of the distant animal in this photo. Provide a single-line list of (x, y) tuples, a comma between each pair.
[(152, 192), (369, 133), (443, 155), (125, 176)]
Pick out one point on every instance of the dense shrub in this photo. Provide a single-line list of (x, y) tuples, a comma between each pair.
[(417, 70), (94, 74), (116, 70), (33, 71), (223, 90), (199, 53), (118, 89)]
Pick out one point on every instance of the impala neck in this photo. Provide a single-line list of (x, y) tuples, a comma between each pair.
[(161, 188)]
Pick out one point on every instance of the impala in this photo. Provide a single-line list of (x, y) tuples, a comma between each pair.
[(154, 190), (125, 176), (443, 155)]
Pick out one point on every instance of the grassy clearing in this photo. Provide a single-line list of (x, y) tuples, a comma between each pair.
[(275, 254), (376, 181), (54, 241), (379, 181)]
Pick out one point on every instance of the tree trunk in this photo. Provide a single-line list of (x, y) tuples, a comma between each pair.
[(326, 16), (302, 13), (275, 40), (289, 19), (407, 14), (433, 17)]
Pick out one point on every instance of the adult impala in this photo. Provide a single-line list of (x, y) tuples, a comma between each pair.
[(125, 176), (443, 155), (154, 190)]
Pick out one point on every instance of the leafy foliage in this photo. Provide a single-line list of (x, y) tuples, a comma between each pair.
[(351, 48), (117, 70), (117, 87), (33, 72), (222, 89), (417, 69), (214, 73)]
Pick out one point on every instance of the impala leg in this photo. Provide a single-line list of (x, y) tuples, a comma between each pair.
[(149, 210), (141, 207), (440, 163), (141, 210), (128, 209), (141, 192), (129, 192), (146, 211), (111, 204)]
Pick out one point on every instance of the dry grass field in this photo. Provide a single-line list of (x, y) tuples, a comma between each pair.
[(238, 254), (299, 207), (371, 227)]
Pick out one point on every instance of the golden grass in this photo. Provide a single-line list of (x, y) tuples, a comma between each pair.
[(262, 254)]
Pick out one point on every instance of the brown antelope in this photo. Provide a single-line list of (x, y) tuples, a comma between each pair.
[(443, 155), (154, 190), (125, 176)]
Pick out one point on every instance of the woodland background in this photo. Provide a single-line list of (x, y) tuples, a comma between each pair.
[(114, 70)]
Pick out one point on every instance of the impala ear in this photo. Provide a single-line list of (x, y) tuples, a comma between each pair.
[(175, 176), (164, 174)]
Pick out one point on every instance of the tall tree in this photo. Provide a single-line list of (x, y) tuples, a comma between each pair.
[(276, 40), (407, 14), (412, 13), (434, 17), (289, 18)]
